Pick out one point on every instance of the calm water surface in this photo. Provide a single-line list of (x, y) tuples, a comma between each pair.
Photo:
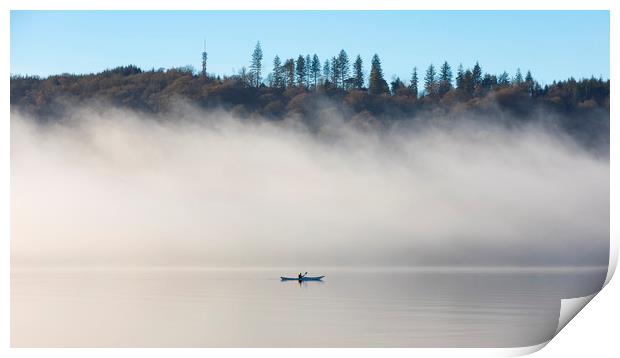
[(253, 308)]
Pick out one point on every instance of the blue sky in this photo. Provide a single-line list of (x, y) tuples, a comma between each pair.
[(552, 44)]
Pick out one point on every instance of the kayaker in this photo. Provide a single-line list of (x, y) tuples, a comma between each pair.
[(301, 276)]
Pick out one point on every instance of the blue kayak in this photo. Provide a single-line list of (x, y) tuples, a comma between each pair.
[(305, 278)]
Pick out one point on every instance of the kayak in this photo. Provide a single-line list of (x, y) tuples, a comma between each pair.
[(305, 278)]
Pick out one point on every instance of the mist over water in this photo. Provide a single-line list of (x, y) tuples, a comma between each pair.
[(116, 188), (253, 308)]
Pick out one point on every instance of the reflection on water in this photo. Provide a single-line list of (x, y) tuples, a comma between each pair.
[(254, 308)]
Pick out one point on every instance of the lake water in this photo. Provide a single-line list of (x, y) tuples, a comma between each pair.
[(253, 308)]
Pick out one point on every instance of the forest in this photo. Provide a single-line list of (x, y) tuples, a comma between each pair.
[(306, 88)]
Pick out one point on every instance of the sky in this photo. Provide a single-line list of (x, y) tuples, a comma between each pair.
[(554, 45)]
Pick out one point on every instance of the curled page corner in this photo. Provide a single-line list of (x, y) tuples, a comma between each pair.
[(569, 309), (613, 260), (571, 306), (522, 351)]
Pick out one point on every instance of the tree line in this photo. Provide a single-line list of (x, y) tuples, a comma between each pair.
[(306, 87), (337, 72)]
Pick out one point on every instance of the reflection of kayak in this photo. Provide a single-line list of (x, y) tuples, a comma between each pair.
[(305, 278)]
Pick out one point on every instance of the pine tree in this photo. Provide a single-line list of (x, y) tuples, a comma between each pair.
[(477, 75), (308, 64), (315, 69), (327, 73), (335, 66), (468, 82), (518, 77), (289, 70), (278, 78), (413, 86), (397, 85), (343, 67), (256, 65), (459, 77), (430, 81), (445, 78), (376, 82), (301, 71), (503, 80), (529, 82), (489, 82), (358, 73)]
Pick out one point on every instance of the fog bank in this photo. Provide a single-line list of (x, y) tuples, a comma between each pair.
[(114, 188)]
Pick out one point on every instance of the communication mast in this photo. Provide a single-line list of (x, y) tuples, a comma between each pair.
[(204, 60)]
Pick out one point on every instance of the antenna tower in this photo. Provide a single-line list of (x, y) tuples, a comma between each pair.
[(204, 60)]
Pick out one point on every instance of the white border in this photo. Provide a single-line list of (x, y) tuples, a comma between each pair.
[(575, 340)]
